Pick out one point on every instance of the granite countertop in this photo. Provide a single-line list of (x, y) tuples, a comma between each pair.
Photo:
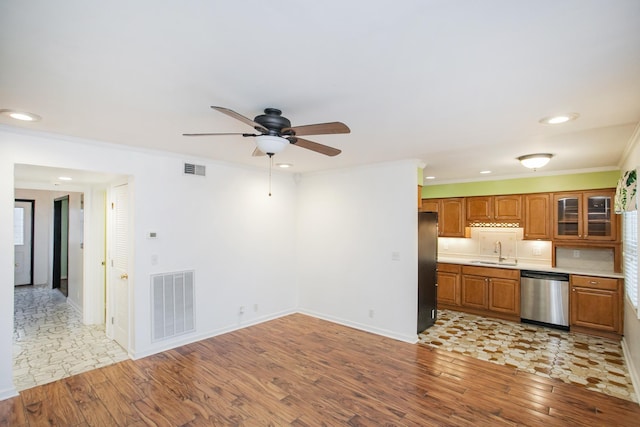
[(524, 266)]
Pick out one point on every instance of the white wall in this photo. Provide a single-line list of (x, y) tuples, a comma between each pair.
[(631, 340), (350, 222), (240, 242)]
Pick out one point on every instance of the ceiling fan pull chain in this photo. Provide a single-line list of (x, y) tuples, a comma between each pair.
[(270, 167)]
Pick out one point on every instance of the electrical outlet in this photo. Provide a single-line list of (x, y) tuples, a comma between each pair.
[(537, 251), (371, 313), (255, 307), (241, 310), (576, 254)]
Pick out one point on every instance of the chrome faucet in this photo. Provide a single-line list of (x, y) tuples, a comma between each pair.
[(498, 250)]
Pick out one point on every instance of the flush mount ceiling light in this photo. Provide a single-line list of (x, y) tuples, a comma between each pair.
[(271, 144), (559, 119), (20, 115), (485, 172), (284, 165), (535, 161)]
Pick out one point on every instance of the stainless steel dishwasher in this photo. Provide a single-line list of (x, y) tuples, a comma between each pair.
[(544, 298)]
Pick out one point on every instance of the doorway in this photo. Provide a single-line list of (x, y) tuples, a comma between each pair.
[(60, 277), (23, 223)]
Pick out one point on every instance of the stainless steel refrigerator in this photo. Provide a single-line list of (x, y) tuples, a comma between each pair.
[(427, 278)]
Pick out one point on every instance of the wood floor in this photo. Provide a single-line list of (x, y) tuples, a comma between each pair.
[(302, 371)]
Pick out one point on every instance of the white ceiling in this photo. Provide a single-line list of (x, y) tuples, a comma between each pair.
[(460, 85)]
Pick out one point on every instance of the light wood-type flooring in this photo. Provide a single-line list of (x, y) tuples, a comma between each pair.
[(298, 370)]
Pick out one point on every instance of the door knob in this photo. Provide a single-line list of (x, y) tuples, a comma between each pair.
[(124, 276)]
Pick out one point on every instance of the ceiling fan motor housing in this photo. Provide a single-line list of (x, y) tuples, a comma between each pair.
[(273, 121)]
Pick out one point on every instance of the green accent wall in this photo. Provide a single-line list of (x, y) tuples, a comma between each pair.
[(543, 184)]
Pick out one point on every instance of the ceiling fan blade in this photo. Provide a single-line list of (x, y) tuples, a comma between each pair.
[(240, 117), (217, 133), (257, 153), (314, 146), (319, 129)]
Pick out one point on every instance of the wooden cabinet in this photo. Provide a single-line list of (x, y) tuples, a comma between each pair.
[(494, 208), (448, 285), (585, 215), (479, 208), (450, 215), (537, 216), (596, 305), (491, 291)]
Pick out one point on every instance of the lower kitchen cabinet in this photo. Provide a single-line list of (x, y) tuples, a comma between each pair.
[(596, 305), (491, 291), (448, 285)]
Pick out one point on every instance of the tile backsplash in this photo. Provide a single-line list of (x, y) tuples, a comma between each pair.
[(482, 245)]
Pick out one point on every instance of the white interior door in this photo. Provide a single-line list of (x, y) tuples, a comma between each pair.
[(22, 221), (119, 277)]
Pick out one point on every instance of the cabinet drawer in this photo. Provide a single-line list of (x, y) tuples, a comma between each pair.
[(449, 268), (594, 282), (502, 273)]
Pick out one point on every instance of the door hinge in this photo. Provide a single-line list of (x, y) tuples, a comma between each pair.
[(113, 205), (112, 320)]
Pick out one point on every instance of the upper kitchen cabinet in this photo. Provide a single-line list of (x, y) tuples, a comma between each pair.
[(585, 215), (494, 208), (537, 218), (450, 215)]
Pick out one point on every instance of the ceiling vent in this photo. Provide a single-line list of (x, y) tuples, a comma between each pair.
[(191, 169)]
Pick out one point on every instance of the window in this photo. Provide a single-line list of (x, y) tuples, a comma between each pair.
[(18, 226), (630, 256)]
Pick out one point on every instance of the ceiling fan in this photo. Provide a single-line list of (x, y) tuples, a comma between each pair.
[(276, 132)]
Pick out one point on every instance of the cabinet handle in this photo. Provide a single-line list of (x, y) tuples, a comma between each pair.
[(574, 289), (593, 282)]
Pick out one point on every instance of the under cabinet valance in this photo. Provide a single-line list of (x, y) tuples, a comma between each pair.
[(625, 199)]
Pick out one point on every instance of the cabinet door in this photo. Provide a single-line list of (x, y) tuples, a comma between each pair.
[(451, 217), (479, 208), (429, 205), (448, 289), (504, 296), (537, 217), (507, 208), (599, 218), (595, 309), (474, 292), (567, 216)]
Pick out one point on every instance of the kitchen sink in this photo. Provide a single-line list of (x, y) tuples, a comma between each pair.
[(494, 263)]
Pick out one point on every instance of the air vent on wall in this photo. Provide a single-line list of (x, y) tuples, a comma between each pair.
[(191, 169), (173, 304)]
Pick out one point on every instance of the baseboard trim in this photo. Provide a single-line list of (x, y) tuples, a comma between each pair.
[(411, 339)]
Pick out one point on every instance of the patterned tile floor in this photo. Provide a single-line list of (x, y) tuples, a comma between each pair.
[(50, 342), (591, 362)]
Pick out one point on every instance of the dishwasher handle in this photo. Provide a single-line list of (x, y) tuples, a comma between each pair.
[(544, 275)]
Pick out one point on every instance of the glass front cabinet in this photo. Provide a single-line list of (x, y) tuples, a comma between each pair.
[(586, 215)]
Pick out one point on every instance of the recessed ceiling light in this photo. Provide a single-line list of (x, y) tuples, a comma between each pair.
[(284, 165), (559, 119), (20, 115), (485, 172), (64, 178), (429, 177)]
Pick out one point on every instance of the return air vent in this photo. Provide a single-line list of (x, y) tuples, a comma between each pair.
[(172, 304), (191, 169)]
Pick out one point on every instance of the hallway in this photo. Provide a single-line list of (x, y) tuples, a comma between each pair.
[(50, 342)]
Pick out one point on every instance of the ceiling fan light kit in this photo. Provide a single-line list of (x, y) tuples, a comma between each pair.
[(271, 144), (535, 161)]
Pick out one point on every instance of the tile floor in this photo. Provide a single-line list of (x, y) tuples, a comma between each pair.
[(591, 362), (50, 342)]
